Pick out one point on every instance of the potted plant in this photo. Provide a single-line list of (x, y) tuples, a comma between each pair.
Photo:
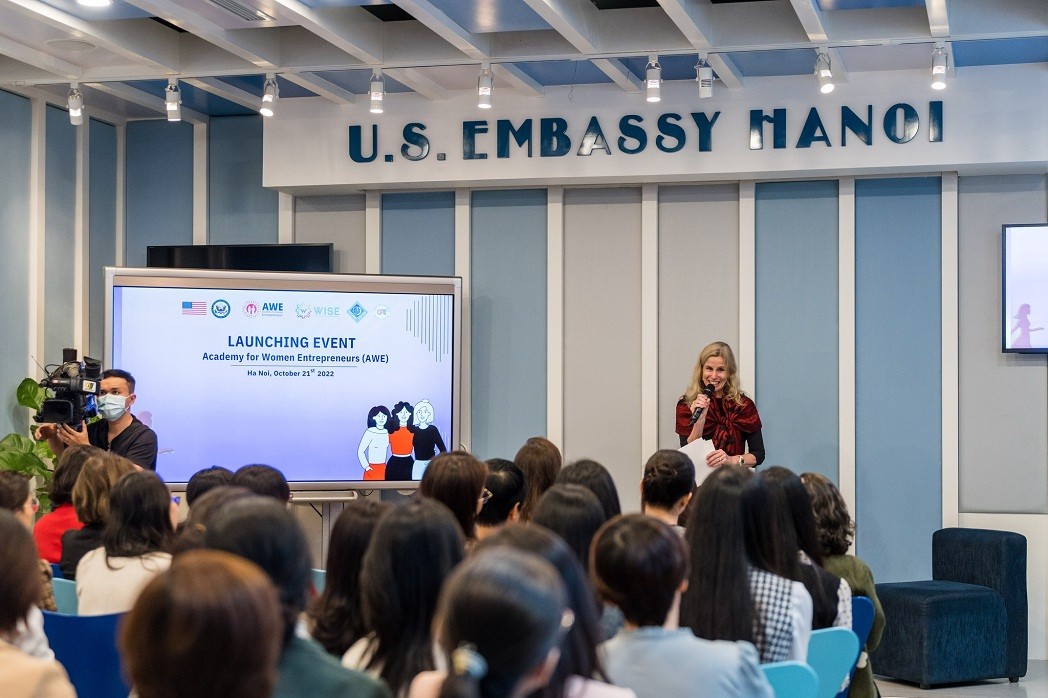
[(24, 454)]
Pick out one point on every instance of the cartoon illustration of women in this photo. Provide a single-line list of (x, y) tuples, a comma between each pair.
[(374, 443), (1022, 325), (400, 440), (428, 442)]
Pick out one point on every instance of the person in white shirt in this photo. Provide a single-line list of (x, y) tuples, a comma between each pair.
[(136, 544)]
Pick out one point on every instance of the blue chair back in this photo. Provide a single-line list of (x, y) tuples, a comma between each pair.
[(832, 653), (65, 595), (56, 571), (862, 618), (791, 679), (319, 580), (86, 647), (862, 624)]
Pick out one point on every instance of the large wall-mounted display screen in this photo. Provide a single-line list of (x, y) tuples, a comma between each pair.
[(340, 381)]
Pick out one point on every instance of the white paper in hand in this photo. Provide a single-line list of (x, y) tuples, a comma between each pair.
[(697, 450)]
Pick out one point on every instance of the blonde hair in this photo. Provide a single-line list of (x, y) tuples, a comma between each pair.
[(731, 389), (96, 479)]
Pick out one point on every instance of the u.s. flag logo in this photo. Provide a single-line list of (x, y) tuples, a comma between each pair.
[(194, 308)]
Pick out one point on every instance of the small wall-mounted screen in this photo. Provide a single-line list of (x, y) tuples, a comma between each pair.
[(1025, 294)]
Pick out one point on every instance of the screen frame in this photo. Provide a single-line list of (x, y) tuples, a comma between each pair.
[(304, 281), (1006, 334)]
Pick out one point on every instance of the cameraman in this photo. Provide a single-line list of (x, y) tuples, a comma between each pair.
[(120, 431)]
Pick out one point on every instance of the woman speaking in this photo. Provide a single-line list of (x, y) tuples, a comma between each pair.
[(725, 415)]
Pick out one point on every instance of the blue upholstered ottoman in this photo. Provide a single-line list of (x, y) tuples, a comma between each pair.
[(940, 632)]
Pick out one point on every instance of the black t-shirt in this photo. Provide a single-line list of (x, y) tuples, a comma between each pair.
[(137, 443)]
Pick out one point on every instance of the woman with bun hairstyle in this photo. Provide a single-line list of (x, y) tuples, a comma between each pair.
[(728, 417), (486, 597)]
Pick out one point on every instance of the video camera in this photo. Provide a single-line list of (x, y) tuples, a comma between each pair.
[(74, 385)]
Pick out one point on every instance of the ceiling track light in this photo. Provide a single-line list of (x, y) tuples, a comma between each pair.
[(653, 79), (377, 90), (173, 100), (824, 73), (939, 61), (484, 86), (75, 103), (270, 94), (704, 76)]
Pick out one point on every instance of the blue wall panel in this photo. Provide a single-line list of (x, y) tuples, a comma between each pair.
[(159, 188), (418, 233), (240, 210), (898, 363), (102, 237), (59, 234), (508, 320), (796, 322), (15, 135)]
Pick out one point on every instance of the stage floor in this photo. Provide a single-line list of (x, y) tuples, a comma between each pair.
[(1033, 685)]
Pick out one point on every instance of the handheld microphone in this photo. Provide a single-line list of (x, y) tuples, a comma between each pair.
[(708, 392)]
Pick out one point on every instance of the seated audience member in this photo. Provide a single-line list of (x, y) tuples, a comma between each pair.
[(51, 526), (836, 531), (91, 502), (118, 432), (208, 627), (505, 481), (640, 565), (337, 617), (189, 534), (267, 534), (485, 595), (205, 480), (264, 480), (830, 595), (667, 486), (456, 480), (731, 593), (17, 497), (24, 675), (540, 461), (574, 513), (415, 547), (136, 546), (579, 671), (596, 478)]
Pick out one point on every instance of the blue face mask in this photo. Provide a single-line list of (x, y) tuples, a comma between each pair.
[(112, 407)]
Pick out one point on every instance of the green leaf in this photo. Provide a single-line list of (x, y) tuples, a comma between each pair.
[(30, 394), (25, 463), (43, 450), (17, 442)]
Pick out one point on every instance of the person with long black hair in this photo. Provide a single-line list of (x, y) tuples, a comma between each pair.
[(830, 594), (415, 547), (740, 587), (337, 616), (136, 545)]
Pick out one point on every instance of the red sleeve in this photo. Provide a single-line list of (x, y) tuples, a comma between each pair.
[(683, 418)]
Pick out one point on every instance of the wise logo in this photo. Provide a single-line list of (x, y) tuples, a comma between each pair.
[(220, 308), (251, 309), (272, 309), (303, 311), (326, 310)]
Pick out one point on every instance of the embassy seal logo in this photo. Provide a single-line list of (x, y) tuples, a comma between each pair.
[(251, 309), (382, 312), (357, 311), (220, 308), (303, 311)]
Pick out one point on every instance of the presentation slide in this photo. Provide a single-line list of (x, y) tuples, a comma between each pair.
[(1026, 288), (326, 386)]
